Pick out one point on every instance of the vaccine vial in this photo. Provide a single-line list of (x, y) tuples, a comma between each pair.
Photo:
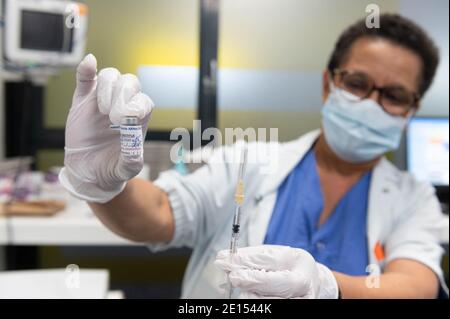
[(131, 139)]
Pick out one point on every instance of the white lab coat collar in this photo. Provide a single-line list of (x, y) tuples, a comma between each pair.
[(289, 155), (383, 189), (383, 185)]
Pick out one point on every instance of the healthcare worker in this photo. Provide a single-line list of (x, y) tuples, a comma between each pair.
[(332, 219)]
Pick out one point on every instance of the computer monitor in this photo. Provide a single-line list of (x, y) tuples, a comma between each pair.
[(427, 150), (44, 32)]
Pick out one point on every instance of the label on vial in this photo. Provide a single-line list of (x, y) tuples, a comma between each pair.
[(131, 140)]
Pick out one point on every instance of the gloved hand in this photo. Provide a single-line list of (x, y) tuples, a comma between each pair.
[(277, 272), (95, 170)]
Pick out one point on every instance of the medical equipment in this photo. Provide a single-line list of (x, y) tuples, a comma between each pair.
[(131, 139), (44, 32), (427, 150), (239, 200)]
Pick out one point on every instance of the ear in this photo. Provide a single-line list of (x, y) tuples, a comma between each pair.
[(419, 105), (417, 108), (325, 85)]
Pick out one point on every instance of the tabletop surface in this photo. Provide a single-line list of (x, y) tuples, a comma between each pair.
[(76, 225)]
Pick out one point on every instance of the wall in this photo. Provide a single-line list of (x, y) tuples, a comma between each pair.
[(433, 16), (287, 43), (281, 46), (141, 32), (125, 35)]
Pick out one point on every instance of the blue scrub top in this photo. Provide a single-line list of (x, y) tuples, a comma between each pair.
[(341, 242)]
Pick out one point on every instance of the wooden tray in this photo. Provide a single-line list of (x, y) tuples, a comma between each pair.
[(32, 208)]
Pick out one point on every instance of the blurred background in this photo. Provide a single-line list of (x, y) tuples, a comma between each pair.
[(230, 63)]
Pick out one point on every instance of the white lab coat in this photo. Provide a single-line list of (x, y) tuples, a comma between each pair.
[(404, 215)]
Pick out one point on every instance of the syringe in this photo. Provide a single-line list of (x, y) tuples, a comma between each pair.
[(239, 200)]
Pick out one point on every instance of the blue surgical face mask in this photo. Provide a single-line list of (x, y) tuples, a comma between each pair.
[(359, 130)]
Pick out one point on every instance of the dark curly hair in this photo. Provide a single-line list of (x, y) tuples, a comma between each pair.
[(398, 30)]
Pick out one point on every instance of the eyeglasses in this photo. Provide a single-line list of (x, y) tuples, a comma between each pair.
[(395, 100)]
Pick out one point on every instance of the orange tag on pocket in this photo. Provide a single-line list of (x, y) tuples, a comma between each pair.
[(379, 251)]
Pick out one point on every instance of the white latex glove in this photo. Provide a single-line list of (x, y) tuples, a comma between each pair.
[(95, 170), (277, 272)]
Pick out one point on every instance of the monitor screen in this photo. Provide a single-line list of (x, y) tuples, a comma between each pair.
[(44, 31), (427, 150)]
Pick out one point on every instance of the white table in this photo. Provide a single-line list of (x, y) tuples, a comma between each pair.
[(76, 225), (3, 234)]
